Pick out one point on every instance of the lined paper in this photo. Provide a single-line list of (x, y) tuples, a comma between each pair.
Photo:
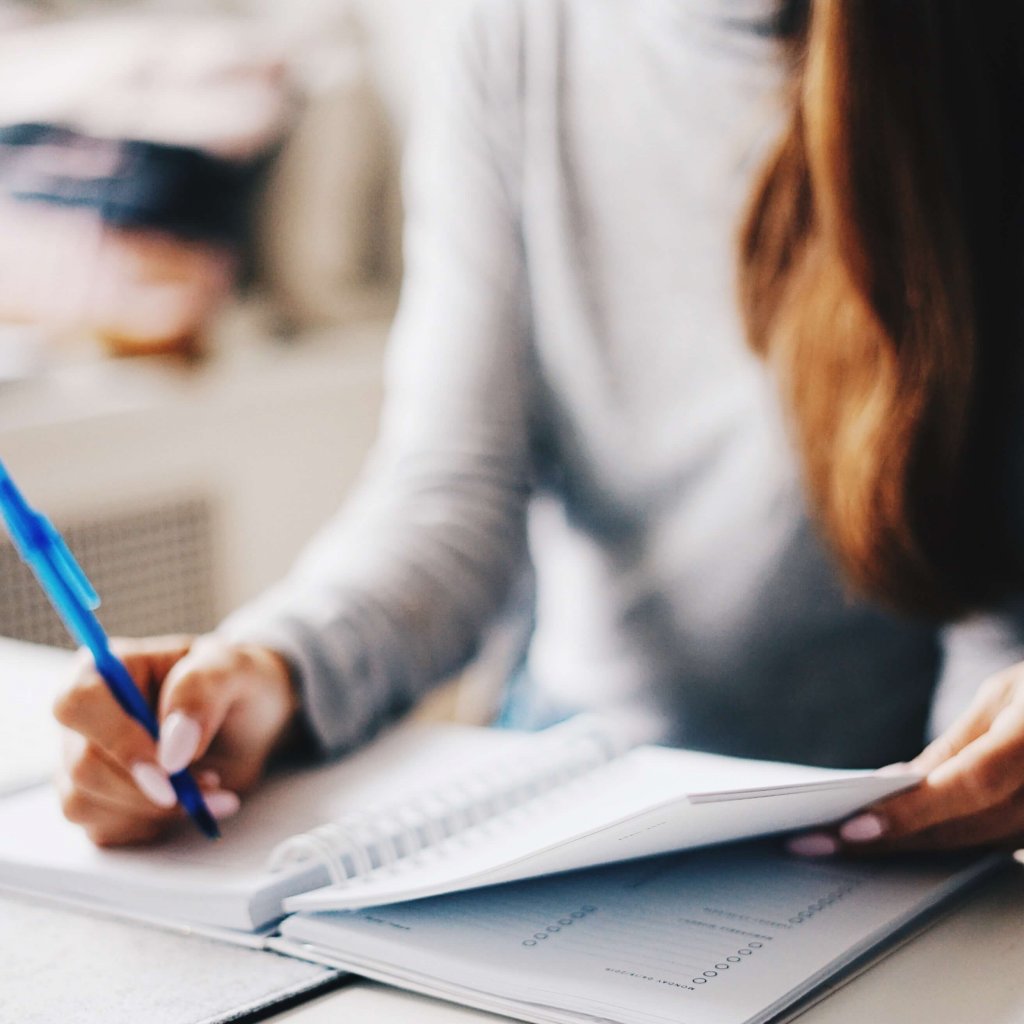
[(721, 936)]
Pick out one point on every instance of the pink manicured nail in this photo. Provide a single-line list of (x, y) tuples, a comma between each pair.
[(154, 785), (863, 828), (223, 803), (900, 768), (816, 844), (179, 739)]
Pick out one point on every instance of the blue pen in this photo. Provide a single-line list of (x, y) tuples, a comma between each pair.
[(70, 592)]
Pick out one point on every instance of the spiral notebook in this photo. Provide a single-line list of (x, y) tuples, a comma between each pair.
[(428, 811), (389, 861)]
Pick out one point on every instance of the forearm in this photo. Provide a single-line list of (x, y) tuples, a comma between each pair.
[(396, 593), (393, 597)]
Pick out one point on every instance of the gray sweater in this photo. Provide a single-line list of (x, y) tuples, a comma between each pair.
[(573, 416)]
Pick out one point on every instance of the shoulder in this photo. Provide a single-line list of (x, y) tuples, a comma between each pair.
[(505, 41), (503, 19), (491, 26), (497, 27), (503, 59), (528, 37), (477, 40)]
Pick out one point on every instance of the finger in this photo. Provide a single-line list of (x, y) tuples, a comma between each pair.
[(124, 803), (149, 659), (139, 787), (147, 662), (197, 697), (105, 820), (107, 828), (89, 770), (89, 708), (109, 825), (84, 674), (991, 698), (90, 781), (986, 773), (1000, 826), (142, 789)]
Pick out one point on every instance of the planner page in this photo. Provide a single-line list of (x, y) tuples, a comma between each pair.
[(648, 801), (722, 936)]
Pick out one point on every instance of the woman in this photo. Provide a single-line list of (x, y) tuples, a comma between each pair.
[(759, 546)]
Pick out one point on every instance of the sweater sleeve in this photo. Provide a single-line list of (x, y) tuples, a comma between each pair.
[(395, 592)]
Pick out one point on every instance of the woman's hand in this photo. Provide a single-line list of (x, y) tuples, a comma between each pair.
[(222, 709), (973, 789)]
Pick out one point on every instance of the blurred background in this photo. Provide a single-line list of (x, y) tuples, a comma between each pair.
[(199, 258)]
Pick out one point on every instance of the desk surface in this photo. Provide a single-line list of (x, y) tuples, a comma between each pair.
[(969, 966)]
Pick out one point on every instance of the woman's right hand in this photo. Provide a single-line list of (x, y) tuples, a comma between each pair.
[(223, 709)]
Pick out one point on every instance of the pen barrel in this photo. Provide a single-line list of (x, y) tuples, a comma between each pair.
[(125, 692), (191, 798), (74, 599)]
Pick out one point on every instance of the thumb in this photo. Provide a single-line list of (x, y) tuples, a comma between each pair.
[(195, 698)]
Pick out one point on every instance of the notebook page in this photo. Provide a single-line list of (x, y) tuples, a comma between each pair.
[(649, 801), (724, 936), (30, 678), (190, 877)]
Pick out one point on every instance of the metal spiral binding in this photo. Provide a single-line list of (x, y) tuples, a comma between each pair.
[(361, 842)]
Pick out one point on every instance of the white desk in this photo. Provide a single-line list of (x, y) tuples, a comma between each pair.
[(967, 968)]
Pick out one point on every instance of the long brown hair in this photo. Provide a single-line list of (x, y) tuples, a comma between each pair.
[(879, 275)]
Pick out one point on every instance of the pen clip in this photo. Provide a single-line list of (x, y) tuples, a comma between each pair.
[(64, 562)]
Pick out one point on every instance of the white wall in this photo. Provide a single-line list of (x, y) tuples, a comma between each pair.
[(278, 435), (274, 437)]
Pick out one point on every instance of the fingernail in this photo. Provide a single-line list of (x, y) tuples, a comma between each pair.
[(863, 828), (223, 803), (179, 739), (816, 844), (209, 779), (900, 768), (154, 785)]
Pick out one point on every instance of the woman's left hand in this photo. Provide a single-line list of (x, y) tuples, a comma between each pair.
[(972, 794)]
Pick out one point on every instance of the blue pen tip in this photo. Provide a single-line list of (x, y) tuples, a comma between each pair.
[(206, 822), (191, 799)]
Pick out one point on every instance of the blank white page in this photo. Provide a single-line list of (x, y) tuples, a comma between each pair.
[(189, 877), (30, 678)]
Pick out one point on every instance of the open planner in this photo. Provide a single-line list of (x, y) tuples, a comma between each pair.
[(389, 864)]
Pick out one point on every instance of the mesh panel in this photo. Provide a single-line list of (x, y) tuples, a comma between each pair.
[(153, 568)]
